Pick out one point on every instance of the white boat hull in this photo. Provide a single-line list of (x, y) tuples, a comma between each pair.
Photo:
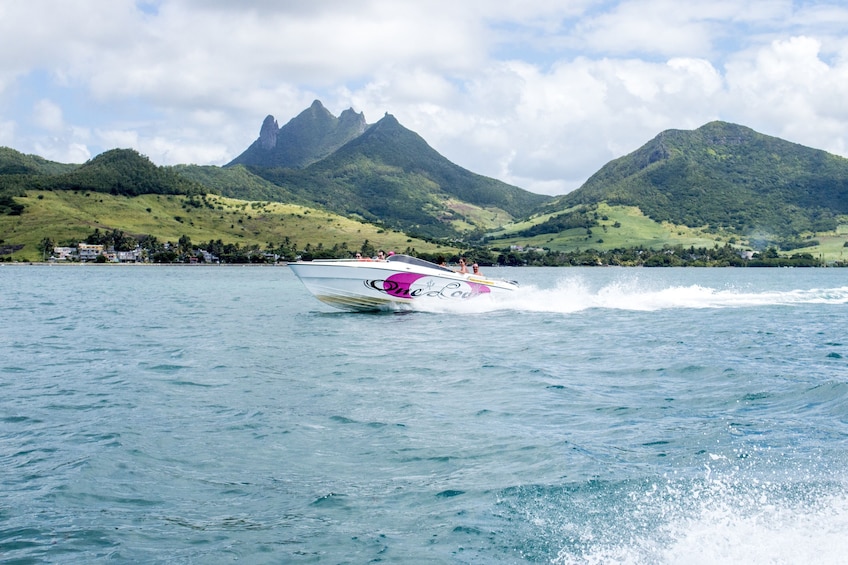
[(398, 284)]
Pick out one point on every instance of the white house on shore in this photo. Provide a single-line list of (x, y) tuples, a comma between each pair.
[(63, 253), (88, 251), (133, 256)]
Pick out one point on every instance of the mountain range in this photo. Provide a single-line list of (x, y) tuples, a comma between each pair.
[(381, 172), (721, 178)]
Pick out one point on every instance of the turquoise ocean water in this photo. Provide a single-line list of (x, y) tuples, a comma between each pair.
[(222, 414)]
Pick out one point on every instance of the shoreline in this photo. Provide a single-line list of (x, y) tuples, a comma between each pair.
[(286, 264), (91, 264)]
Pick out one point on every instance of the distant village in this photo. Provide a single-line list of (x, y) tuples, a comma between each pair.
[(95, 253), (677, 256)]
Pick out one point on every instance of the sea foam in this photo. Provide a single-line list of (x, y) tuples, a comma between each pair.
[(572, 294)]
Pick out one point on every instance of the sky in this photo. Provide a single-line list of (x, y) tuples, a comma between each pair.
[(537, 93)]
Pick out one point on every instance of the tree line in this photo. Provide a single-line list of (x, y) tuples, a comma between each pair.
[(185, 251), (667, 256)]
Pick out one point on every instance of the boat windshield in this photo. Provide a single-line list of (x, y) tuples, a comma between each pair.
[(418, 262)]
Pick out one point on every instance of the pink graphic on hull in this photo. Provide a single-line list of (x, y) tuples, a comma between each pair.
[(413, 285), (399, 284)]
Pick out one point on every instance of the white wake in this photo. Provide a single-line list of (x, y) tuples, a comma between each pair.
[(573, 295)]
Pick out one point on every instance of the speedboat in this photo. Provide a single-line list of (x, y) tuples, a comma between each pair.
[(398, 283)]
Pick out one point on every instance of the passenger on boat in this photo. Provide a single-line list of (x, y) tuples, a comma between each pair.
[(476, 269), (463, 269)]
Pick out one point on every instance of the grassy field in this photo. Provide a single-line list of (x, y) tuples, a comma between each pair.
[(68, 217), (831, 245), (635, 229)]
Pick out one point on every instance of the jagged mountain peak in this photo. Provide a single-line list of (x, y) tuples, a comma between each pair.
[(268, 133), (308, 137), (388, 120), (388, 123), (350, 116), (393, 144), (317, 105), (316, 111)]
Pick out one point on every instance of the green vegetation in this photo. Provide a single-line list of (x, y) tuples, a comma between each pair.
[(8, 206), (380, 173), (390, 174), (124, 172), (68, 217), (613, 229), (674, 201), (725, 177), (601, 227), (390, 144), (16, 163), (118, 171), (237, 182), (677, 256), (19, 172)]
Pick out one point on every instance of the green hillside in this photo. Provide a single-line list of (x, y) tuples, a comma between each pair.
[(725, 177), (389, 143), (721, 184), (118, 171), (601, 226), (16, 163), (18, 172), (237, 182), (605, 228), (124, 172), (67, 217)]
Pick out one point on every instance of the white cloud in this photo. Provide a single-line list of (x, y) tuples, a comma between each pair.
[(48, 115), (118, 138), (7, 132), (659, 27), (44, 34), (787, 90), (170, 150), (62, 151), (545, 129)]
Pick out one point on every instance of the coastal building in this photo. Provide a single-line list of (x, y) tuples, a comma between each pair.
[(89, 252), (209, 257), (133, 256), (63, 253)]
